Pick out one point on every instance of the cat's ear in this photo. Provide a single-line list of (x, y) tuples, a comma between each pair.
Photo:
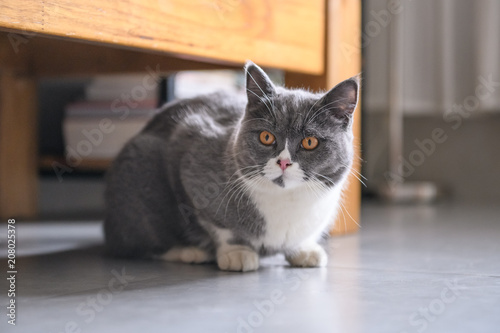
[(341, 100), (259, 87)]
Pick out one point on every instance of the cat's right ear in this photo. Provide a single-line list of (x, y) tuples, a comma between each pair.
[(340, 102), (259, 87)]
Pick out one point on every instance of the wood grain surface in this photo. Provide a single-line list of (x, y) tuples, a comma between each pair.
[(18, 146), (280, 34)]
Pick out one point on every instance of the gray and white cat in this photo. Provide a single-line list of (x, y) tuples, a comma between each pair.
[(228, 178)]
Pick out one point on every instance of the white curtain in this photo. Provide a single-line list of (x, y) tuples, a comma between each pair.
[(447, 48)]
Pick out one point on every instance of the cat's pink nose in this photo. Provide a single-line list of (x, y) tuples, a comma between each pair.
[(284, 163)]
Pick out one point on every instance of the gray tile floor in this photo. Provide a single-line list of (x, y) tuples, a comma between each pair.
[(410, 269)]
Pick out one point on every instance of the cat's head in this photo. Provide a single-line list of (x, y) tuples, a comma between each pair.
[(293, 137)]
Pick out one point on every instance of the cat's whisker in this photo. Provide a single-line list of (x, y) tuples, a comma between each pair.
[(325, 177), (345, 219), (234, 184), (246, 176), (362, 182), (359, 173), (343, 207), (240, 172), (230, 186), (248, 184), (245, 185), (239, 187), (254, 188), (239, 194), (354, 170), (321, 186), (313, 190), (242, 176), (259, 181), (234, 191), (354, 175)]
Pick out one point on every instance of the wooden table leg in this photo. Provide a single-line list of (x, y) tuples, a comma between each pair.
[(342, 61), (18, 137)]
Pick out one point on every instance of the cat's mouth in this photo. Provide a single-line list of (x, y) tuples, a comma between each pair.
[(289, 177), (279, 181)]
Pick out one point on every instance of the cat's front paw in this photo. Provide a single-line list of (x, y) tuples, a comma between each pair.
[(239, 260), (188, 255), (315, 257)]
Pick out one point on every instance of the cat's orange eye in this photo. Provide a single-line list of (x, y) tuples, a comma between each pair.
[(310, 143), (266, 138)]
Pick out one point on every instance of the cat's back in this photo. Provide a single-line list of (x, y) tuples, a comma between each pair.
[(203, 116)]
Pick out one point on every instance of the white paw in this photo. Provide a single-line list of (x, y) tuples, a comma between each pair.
[(308, 258), (188, 255), (242, 259), (194, 255)]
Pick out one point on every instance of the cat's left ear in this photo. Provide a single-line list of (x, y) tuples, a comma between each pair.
[(341, 100), (259, 87)]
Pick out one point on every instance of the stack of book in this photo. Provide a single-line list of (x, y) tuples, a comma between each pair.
[(115, 109)]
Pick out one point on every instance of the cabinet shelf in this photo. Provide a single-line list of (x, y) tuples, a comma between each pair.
[(49, 162)]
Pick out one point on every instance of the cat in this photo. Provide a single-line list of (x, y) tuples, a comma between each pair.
[(229, 178)]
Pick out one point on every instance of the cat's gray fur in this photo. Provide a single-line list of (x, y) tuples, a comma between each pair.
[(182, 167)]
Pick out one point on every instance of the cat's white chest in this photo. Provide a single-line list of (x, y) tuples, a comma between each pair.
[(294, 216)]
